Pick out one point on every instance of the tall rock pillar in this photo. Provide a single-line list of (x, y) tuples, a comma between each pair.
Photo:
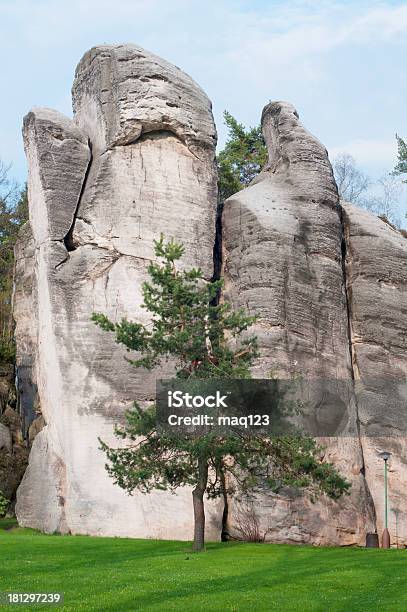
[(376, 269), (283, 261), (136, 161)]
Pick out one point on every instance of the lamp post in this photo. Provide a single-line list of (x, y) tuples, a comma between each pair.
[(386, 535)]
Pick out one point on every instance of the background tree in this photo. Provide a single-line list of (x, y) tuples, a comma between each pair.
[(385, 203), (352, 183), (13, 213), (205, 341), (401, 167), (241, 159), (380, 197)]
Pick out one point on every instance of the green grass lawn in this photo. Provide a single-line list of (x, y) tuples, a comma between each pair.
[(121, 574)]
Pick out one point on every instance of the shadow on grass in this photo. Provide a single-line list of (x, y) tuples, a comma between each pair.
[(8, 523), (123, 574), (357, 583)]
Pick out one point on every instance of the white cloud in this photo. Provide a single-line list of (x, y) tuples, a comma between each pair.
[(242, 52), (288, 33)]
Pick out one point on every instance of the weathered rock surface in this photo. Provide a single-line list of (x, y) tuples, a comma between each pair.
[(376, 271), (282, 260), (328, 283), (137, 160), (153, 139)]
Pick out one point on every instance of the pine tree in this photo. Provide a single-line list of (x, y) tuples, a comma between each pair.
[(207, 340), (242, 158), (401, 167)]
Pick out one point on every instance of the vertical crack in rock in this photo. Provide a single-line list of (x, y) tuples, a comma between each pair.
[(347, 291), (217, 274), (282, 260), (111, 205), (217, 249), (353, 365), (68, 239)]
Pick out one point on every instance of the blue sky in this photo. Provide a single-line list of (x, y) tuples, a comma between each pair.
[(342, 64)]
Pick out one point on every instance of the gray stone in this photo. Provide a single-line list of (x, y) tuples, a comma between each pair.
[(282, 260), (376, 269), (328, 284), (61, 155), (137, 160), (153, 140)]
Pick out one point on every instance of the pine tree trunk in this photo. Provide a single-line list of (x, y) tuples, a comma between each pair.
[(199, 509)]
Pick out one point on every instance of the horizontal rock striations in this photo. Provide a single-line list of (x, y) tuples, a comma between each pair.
[(376, 271), (137, 160), (326, 280), (283, 261)]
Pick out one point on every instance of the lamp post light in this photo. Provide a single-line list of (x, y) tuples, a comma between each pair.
[(386, 535)]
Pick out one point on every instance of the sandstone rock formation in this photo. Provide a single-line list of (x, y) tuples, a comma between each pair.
[(283, 260), (137, 160), (376, 272), (327, 281)]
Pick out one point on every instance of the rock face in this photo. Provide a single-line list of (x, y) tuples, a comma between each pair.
[(283, 260), (327, 281), (376, 271), (137, 160)]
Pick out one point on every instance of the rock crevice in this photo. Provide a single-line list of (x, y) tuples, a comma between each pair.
[(345, 249), (379, 344), (283, 260), (109, 208), (138, 160), (68, 238)]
